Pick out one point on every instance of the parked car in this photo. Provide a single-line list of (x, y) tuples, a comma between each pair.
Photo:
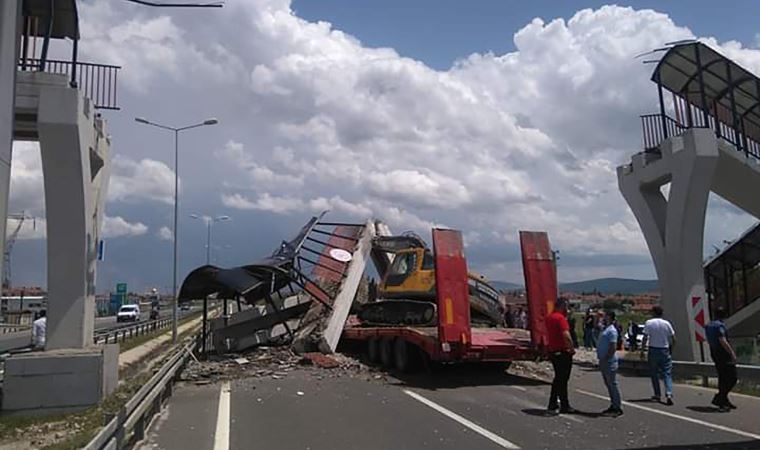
[(128, 313), (184, 307), (627, 342)]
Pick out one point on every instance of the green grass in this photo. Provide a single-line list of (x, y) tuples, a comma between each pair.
[(89, 421), (143, 338)]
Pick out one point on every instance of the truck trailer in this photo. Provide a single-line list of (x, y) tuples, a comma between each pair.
[(453, 339)]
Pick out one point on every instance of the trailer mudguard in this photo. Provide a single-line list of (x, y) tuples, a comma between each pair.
[(451, 288)]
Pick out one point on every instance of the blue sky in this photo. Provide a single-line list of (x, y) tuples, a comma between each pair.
[(310, 119), (439, 32)]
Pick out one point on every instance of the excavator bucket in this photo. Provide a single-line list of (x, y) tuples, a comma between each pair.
[(540, 270)]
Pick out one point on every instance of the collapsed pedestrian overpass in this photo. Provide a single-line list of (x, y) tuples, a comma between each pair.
[(705, 138)]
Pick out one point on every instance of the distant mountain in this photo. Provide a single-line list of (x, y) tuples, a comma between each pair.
[(506, 286), (612, 286), (602, 285)]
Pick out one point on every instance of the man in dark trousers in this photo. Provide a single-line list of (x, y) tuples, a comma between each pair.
[(724, 357), (560, 347)]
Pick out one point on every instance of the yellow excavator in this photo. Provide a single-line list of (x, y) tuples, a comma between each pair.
[(406, 292)]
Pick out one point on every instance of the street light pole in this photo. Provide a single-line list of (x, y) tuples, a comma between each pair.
[(176, 131), (209, 222)]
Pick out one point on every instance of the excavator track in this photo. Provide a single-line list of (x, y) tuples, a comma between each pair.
[(398, 312)]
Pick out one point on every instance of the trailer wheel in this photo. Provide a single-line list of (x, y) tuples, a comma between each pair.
[(403, 356), (386, 352), (373, 350)]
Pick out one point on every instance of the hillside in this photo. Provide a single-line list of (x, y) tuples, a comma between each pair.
[(603, 285)]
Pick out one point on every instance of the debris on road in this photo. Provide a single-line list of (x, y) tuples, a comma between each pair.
[(275, 363)]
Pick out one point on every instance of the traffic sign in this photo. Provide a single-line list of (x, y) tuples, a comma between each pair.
[(698, 308), (121, 288)]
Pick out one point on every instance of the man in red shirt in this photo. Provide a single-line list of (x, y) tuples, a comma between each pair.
[(560, 348)]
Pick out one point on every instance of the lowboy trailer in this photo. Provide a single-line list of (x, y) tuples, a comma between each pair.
[(453, 339)]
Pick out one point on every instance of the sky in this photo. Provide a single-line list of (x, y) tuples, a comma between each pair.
[(489, 117)]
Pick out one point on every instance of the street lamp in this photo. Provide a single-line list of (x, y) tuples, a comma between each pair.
[(209, 221), (211, 121)]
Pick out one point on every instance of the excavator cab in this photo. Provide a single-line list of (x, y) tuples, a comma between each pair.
[(410, 276)]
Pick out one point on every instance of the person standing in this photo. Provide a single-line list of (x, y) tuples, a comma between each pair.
[(571, 322), (608, 364), (523, 319), (39, 330), (508, 318), (660, 335), (560, 348), (724, 357), (633, 333), (588, 330)]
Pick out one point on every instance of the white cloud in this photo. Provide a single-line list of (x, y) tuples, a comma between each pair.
[(264, 202), (27, 188), (30, 228), (114, 227), (165, 234), (523, 140), (135, 181)]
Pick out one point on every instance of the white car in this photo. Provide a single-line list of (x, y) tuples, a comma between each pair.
[(128, 313), (639, 341)]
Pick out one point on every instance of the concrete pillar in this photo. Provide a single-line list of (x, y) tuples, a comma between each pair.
[(10, 15), (674, 227), (74, 152)]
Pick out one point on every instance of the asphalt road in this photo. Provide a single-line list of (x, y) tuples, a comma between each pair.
[(455, 409)]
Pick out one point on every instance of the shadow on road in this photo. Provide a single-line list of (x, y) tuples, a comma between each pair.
[(544, 413), (705, 409), (643, 400), (451, 377), (743, 445)]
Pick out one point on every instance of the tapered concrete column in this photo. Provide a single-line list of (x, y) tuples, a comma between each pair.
[(674, 227), (74, 152), (9, 26)]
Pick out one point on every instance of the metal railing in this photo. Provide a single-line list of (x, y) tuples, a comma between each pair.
[(688, 369), (130, 424), (655, 131), (122, 333), (98, 82)]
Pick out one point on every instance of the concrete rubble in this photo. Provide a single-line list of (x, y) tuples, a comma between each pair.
[(276, 363)]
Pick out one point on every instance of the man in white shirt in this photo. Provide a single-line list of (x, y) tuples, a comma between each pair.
[(39, 328), (660, 335)]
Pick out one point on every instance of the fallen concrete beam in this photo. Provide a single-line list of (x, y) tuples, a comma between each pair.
[(322, 326), (347, 293)]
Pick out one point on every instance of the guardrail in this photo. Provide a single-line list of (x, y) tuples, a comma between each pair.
[(129, 425), (745, 372), (6, 328), (121, 334)]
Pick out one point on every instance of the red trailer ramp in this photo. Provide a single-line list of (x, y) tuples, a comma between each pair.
[(540, 270), (451, 288)]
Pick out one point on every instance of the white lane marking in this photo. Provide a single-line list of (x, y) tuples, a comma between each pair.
[(676, 416), (456, 417), (532, 405), (222, 434), (519, 388)]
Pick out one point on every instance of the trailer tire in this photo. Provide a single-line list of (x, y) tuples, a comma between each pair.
[(373, 350), (403, 356), (386, 352)]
